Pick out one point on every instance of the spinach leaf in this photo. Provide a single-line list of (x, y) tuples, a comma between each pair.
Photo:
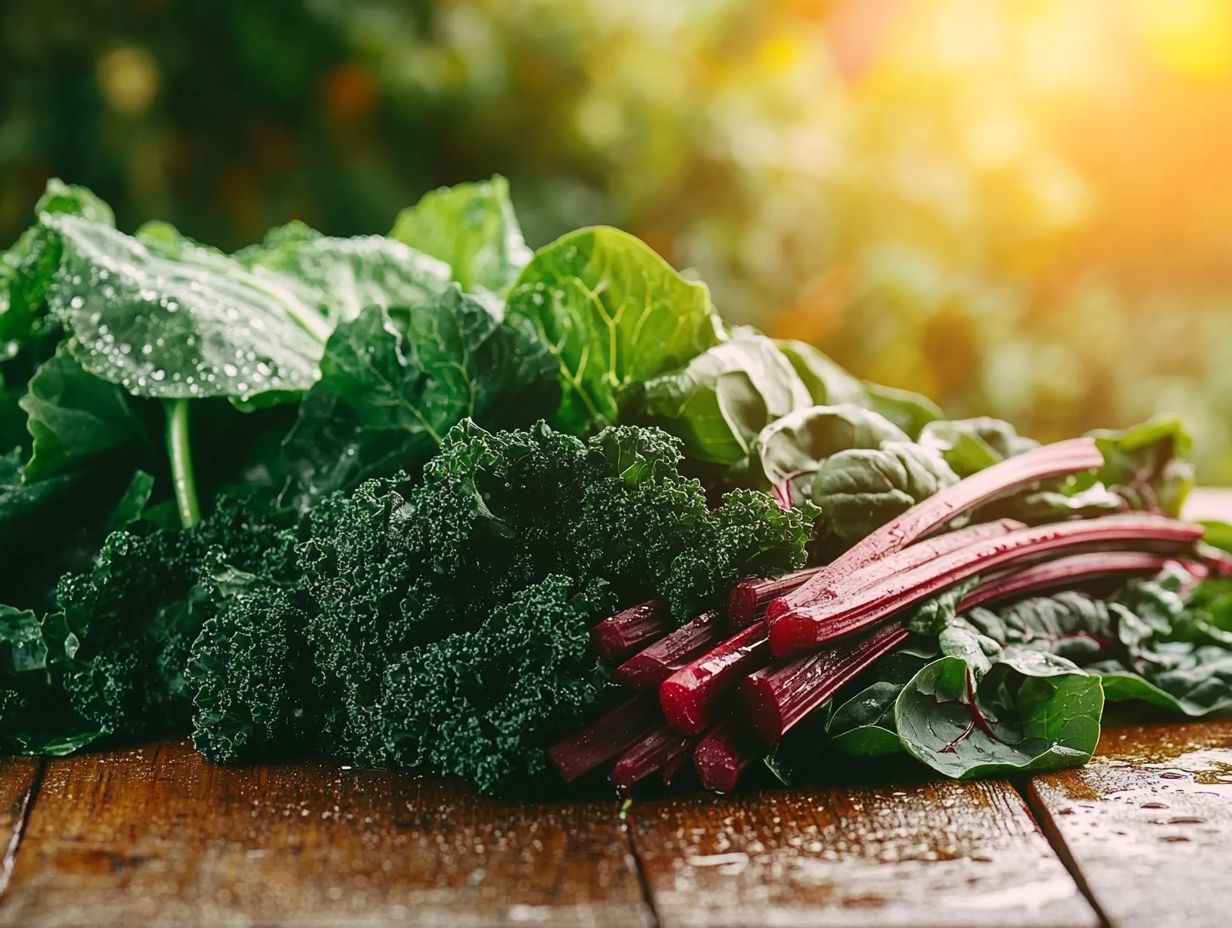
[(970, 445), (861, 489), (393, 382), (614, 314), (719, 402), (792, 448), (828, 384), (908, 410), (472, 228)]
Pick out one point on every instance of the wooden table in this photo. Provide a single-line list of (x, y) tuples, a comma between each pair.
[(1140, 838)]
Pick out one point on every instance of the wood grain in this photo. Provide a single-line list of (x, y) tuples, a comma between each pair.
[(920, 855), (18, 778), (1147, 824), (157, 836)]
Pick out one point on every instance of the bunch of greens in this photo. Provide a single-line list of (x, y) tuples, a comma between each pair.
[(370, 496)]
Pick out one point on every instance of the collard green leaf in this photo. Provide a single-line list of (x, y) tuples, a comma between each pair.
[(472, 228), (393, 382), (861, 489), (721, 400), (1033, 713), (792, 448), (338, 277), (73, 418), (614, 314), (197, 324)]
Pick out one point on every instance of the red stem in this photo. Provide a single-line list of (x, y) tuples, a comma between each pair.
[(1055, 460), (777, 698), (630, 630), (1064, 572), (651, 754), (692, 695), (724, 754), (650, 667), (611, 734), (753, 594), (806, 627)]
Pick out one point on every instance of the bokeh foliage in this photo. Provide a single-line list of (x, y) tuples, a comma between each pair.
[(1021, 208)]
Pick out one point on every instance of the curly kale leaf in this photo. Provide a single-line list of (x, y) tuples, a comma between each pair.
[(393, 382)]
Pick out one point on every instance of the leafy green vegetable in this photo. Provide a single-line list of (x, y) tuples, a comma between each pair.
[(1031, 712), (720, 401), (792, 448), (862, 489), (908, 410), (970, 445), (1147, 465), (472, 228), (393, 382), (614, 314), (826, 382), (73, 418)]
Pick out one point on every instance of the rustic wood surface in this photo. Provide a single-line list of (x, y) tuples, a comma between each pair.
[(18, 778), (157, 836), (1147, 825), (917, 854)]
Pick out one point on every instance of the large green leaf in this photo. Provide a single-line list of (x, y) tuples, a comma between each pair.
[(472, 228), (1147, 465), (163, 316), (720, 401), (614, 314), (827, 383), (393, 382)]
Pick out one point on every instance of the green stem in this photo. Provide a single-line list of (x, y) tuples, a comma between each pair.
[(180, 452)]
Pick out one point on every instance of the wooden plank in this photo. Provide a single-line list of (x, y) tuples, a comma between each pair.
[(158, 836), (1147, 824), (914, 855), (18, 776)]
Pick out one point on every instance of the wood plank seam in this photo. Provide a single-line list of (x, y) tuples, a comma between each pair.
[(23, 819), (1039, 815), (638, 866)]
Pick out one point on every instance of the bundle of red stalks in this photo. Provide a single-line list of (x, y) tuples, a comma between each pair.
[(719, 691)]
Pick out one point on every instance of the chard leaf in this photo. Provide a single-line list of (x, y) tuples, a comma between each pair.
[(393, 382), (614, 314), (1147, 465), (472, 228), (862, 489), (721, 400), (1031, 713), (73, 417), (792, 448), (862, 721)]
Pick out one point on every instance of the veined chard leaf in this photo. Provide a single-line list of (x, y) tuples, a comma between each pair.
[(1030, 713), (614, 314), (393, 382), (721, 400), (472, 228), (970, 445), (1146, 465)]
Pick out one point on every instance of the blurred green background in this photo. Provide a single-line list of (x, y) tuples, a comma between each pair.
[(1022, 207)]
